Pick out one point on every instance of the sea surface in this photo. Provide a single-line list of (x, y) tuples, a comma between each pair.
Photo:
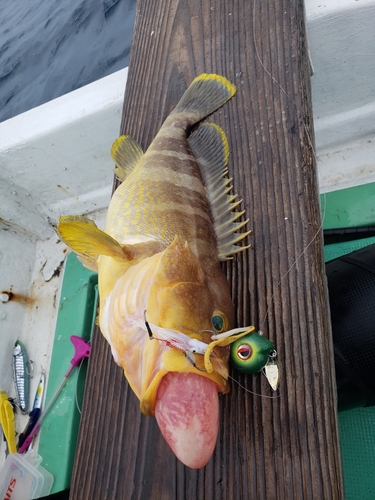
[(51, 47)]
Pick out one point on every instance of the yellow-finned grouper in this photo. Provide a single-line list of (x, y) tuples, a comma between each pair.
[(165, 306)]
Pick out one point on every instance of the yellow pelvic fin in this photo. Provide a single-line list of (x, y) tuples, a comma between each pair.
[(87, 240), (206, 93), (126, 153), (210, 148)]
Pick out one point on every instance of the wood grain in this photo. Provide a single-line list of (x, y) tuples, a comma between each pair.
[(280, 447)]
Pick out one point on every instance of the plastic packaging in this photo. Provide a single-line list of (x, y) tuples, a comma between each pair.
[(23, 478)]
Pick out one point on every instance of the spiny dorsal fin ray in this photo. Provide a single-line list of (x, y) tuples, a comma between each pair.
[(210, 147), (126, 153), (88, 241)]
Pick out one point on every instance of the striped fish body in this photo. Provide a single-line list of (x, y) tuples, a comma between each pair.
[(164, 197), (169, 224)]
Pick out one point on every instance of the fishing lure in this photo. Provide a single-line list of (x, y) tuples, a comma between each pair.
[(35, 412), (21, 375), (254, 353)]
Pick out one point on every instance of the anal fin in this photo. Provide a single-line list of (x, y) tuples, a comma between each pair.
[(210, 148)]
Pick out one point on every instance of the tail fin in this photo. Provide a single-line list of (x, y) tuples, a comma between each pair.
[(205, 95)]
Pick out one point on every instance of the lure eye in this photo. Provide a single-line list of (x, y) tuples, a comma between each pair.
[(219, 321), (244, 352)]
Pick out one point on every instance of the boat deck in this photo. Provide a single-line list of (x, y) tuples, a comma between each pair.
[(282, 445)]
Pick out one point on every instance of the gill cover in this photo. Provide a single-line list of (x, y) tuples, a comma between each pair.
[(185, 296)]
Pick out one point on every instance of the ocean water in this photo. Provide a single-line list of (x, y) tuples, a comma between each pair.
[(51, 47)]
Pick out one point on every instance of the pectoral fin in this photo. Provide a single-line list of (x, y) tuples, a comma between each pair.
[(88, 241)]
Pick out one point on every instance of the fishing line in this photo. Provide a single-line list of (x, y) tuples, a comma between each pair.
[(252, 392), (79, 408), (310, 142), (245, 388)]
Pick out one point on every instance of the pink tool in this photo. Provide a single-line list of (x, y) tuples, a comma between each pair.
[(81, 350)]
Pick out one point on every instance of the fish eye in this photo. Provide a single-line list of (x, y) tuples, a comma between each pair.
[(219, 321), (244, 352)]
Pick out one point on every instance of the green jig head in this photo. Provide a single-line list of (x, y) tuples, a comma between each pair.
[(250, 354)]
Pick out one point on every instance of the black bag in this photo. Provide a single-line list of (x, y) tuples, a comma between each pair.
[(351, 286)]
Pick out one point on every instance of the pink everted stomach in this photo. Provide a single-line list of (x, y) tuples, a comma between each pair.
[(187, 412)]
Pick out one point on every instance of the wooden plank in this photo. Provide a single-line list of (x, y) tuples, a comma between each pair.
[(268, 448)]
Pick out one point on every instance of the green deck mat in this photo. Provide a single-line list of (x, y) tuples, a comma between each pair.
[(349, 207), (357, 436), (76, 314)]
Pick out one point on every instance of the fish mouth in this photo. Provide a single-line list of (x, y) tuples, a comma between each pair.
[(174, 386), (174, 361), (186, 404), (181, 395)]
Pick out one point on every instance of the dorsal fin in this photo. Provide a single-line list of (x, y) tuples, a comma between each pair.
[(126, 153), (210, 148)]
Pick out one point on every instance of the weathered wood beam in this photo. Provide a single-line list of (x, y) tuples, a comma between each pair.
[(285, 447)]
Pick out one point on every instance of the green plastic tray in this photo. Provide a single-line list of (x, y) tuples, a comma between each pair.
[(76, 316)]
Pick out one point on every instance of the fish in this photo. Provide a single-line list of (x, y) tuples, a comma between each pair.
[(21, 376), (165, 305)]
